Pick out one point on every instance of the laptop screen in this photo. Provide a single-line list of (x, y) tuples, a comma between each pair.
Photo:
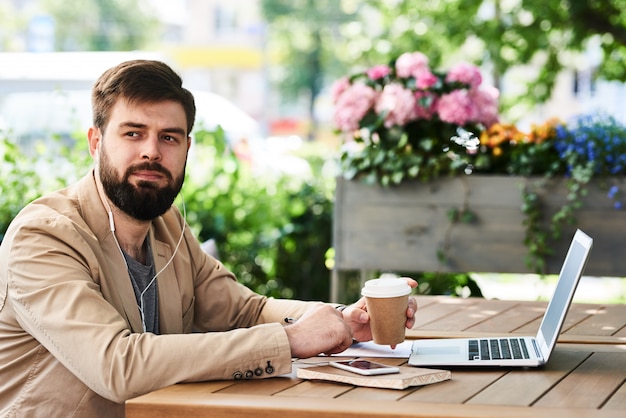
[(570, 274)]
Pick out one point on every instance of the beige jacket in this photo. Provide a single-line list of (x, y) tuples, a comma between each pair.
[(71, 341)]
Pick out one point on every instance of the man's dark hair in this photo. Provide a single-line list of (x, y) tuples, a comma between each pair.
[(139, 81)]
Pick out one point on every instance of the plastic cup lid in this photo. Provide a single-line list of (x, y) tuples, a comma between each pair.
[(385, 288)]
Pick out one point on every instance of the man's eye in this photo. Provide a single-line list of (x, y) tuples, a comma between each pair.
[(132, 134), (170, 138)]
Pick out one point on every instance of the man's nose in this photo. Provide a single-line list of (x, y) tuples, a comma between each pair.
[(151, 148)]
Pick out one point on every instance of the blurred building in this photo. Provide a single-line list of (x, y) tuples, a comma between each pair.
[(216, 45)]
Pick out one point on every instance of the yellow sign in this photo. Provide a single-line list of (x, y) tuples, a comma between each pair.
[(215, 57)]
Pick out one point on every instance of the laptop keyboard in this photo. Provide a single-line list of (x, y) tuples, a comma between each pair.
[(497, 349)]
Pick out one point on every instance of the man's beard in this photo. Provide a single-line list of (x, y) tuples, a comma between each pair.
[(145, 201)]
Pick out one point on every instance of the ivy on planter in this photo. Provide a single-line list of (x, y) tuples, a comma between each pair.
[(591, 146)]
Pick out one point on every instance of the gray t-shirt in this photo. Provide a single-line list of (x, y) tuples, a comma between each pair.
[(140, 276)]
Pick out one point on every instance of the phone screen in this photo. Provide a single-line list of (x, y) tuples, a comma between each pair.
[(364, 367), (363, 364)]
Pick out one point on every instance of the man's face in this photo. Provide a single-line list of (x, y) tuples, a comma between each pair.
[(142, 160)]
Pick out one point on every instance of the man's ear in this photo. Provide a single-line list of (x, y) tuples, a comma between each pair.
[(94, 138)]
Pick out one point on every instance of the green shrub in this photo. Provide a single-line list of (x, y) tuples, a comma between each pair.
[(19, 183), (271, 230)]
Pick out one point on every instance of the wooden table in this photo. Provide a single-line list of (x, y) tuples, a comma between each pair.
[(585, 377)]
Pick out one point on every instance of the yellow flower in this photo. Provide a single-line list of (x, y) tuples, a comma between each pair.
[(545, 131), (500, 133)]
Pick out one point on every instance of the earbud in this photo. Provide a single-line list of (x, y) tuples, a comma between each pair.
[(111, 222)]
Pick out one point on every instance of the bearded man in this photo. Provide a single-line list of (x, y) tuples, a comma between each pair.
[(105, 294)]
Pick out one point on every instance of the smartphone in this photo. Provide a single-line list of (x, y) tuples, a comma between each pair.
[(364, 367)]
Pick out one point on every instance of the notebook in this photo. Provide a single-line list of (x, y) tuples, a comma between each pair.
[(408, 376), (523, 351)]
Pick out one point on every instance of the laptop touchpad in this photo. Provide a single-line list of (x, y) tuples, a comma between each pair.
[(438, 350)]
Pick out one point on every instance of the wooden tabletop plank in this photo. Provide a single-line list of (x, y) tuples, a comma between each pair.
[(607, 320), (438, 308), (580, 314), (577, 313), (427, 300), (469, 316), (618, 400), (529, 384), (376, 394), (316, 389), (462, 386), (260, 386), (591, 384), (511, 320)]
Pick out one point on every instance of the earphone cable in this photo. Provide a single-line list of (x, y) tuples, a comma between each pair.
[(180, 240)]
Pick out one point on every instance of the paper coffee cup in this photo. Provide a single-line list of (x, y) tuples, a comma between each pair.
[(387, 300)]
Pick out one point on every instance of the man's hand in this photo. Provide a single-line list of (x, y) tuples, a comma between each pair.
[(358, 319), (320, 330)]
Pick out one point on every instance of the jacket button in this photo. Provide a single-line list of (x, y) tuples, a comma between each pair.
[(249, 374), (269, 369), (258, 371), (237, 375)]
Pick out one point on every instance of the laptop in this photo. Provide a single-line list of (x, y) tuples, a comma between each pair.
[(523, 351)]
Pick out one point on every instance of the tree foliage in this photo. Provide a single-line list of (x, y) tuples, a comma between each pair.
[(541, 36), (101, 25), (522, 42)]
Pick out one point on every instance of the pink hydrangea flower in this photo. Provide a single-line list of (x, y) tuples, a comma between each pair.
[(338, 88), (398, 102), (456, 107), (378, 71), (410, 64), (352, 105), (412, 91), (425, 79), (486, 102), (465, 73), (425, 105)]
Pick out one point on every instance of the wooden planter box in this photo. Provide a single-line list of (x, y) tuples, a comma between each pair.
[(403, 228)]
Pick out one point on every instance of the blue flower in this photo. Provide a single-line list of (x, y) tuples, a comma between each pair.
[(596, 139)]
